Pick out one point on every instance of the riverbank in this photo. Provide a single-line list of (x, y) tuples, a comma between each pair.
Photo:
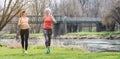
[(13, 36), (78, 35), (91, 35), (56, 53)]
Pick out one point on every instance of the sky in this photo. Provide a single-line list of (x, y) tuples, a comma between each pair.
[(1, 3)]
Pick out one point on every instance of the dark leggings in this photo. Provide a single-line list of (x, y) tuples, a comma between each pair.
[(24, 33), (47, 34)]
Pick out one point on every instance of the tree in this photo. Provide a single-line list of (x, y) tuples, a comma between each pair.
[(10, 10), (66, 6), (112, 16), (37, 9)]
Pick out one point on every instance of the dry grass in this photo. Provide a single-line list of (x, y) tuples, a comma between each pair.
[(15, 44)]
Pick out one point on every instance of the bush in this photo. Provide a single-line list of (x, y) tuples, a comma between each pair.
[(2, 44)]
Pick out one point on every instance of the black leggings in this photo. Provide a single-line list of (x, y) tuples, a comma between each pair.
[(24, 33), (47, 34)]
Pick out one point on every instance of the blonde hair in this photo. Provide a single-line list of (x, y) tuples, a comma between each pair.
[(47, 9)]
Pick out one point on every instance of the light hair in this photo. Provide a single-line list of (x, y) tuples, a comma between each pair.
[(48, 9), (21, 13)]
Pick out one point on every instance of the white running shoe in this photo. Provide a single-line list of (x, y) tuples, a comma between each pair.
[(25, 52)]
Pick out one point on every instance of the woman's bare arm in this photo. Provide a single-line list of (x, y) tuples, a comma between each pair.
[(19, 22), (29, 24), (53, 19)]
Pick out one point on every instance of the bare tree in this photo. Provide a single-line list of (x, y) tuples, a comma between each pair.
[(83, 4), (10, 10), (70, 8), (37, 9), (112, 15)]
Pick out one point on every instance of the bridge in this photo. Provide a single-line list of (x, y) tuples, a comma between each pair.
[(39, 19), (69, 24), (79, 20)]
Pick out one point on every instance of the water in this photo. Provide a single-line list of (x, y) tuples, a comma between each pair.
[(92, 45)]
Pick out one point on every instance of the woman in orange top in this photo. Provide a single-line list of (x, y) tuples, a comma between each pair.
[(24, 30), (48, 19)]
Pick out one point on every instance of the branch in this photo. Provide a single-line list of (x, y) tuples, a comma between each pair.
[(10, 1)]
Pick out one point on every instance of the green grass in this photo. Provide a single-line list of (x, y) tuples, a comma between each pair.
[(93, 33), (12, 36), (2, 44), (86, 29), (9, 36), (99, 34), (36, 35), (56, 53)]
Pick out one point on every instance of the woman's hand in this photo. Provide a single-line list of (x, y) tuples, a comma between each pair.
[(53, 19)]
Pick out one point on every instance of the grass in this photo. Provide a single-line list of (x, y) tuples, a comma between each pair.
[(99, 34), (13, 36), (86, 29), (56, 53), (36, 35), (93, 33), (2, 44)]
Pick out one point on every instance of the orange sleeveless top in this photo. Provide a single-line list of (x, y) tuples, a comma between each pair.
[(47, 22)]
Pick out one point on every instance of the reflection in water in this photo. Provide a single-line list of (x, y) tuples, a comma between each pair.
[(93, 45)]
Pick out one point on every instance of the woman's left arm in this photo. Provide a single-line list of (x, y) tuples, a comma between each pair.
[(29, 23), (53, 19)]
